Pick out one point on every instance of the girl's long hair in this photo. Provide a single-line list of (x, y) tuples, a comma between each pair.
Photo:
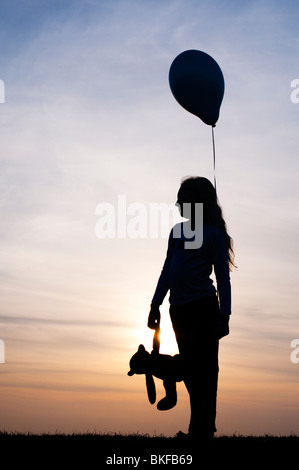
[(202, 190)]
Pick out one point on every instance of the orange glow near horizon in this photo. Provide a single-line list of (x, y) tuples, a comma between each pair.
[(86, 391)]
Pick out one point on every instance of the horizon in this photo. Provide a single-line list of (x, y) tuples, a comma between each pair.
[(87, 116)]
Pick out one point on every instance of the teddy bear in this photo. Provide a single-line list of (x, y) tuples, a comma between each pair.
[(163, 366)]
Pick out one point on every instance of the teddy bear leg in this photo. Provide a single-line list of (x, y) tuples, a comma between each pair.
[(170, 399)]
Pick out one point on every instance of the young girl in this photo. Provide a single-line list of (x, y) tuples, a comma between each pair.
[(199, 317)]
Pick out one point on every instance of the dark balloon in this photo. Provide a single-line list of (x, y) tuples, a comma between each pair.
[(197, 83)]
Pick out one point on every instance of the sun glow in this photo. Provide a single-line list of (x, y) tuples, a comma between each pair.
[(168, 343)]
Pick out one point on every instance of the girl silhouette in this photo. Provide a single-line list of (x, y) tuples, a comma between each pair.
[(199, 316)]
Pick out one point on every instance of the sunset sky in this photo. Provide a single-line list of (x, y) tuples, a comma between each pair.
[(89, 116)]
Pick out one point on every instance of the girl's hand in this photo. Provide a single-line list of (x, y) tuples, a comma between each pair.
[(223, 325), (154, 317)]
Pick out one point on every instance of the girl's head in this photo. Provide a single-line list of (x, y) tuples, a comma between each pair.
[(197, 189)]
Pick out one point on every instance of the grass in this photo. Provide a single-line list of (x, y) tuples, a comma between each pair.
[(62, 451)]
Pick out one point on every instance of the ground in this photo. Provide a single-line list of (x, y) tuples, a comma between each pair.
[(101, 451)]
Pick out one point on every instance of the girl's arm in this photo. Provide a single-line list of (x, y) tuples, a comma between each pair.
[(163, 282), (221, 269), (161, 289)]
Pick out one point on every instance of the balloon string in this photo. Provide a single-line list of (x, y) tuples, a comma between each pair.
[(216, 204), (214, 159)]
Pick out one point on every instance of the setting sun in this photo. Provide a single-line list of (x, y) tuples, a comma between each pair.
[(168, 343)]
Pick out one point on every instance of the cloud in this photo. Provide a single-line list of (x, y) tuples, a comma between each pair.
[(61, 322)]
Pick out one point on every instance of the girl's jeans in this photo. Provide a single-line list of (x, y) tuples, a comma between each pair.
[(194, 325)]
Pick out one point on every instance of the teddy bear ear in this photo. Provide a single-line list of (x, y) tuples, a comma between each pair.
[(141, 348)]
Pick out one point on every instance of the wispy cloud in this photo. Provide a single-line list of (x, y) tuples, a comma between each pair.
[(34, 321)]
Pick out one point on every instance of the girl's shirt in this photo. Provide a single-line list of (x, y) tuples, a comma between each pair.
[(187, 271)]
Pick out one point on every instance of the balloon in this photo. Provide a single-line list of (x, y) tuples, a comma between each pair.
[(197, 83)]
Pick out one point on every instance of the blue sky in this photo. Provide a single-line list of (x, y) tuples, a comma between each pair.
[(89, 115)]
